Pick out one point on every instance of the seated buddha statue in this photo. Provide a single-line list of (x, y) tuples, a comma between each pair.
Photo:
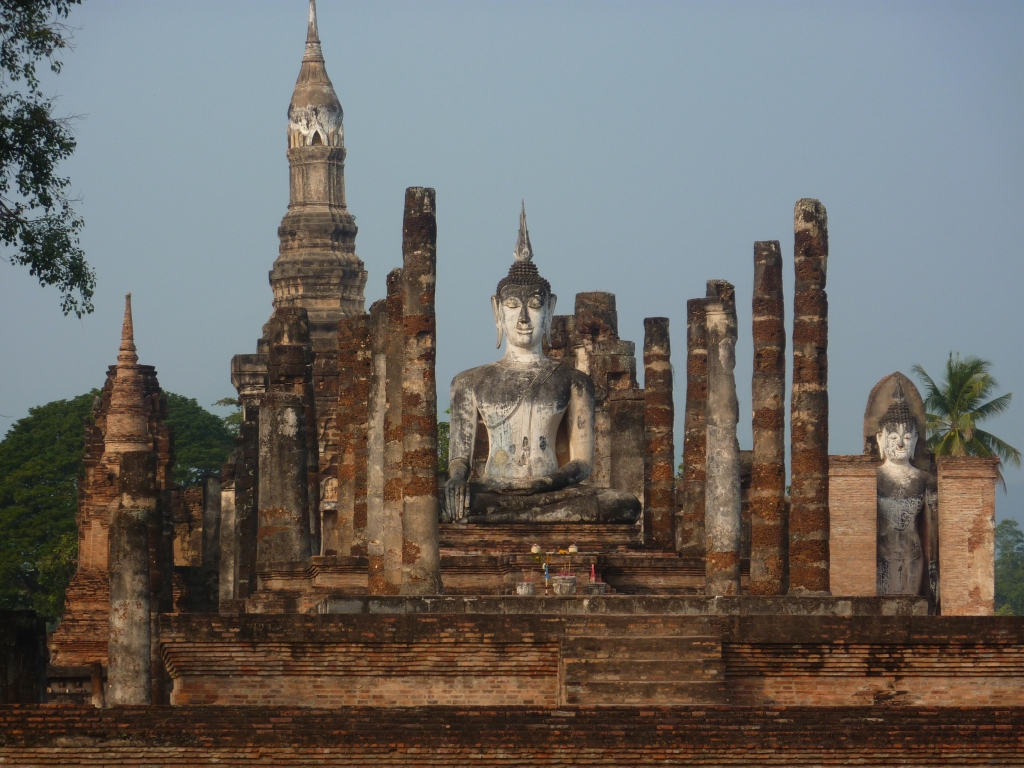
[(907, 554), (539, 417)]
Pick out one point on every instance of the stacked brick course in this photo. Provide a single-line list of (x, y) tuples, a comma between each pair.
[(516, 737), (690, 528), (808, 518), (659, 446), (967, 519), (768, 529)]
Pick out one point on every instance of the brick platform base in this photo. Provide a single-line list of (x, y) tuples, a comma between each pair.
[(32, 737)]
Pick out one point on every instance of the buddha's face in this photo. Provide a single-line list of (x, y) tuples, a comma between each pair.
[(523, 314), (897, 442)]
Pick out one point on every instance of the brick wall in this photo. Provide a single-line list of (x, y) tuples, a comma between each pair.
[(639, 660), (967, 518), (514, 737), (853, 539)]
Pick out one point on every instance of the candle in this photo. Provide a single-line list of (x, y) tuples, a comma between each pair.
[(593, 573)]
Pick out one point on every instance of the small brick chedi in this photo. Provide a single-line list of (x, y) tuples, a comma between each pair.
[(559, 594)]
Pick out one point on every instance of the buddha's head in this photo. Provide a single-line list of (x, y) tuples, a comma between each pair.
[(897, 436), (523, 303)]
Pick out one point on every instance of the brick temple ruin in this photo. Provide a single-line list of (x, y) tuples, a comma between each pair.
[(308, 606)]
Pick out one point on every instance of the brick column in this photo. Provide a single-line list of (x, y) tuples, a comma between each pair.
[(284, 535), (394, 505), (290, 370), (808, 517), (768, 392), (722, 520), (351, 418), (853, 525), (211, 540), (967, 522), (129, 654), (385, 564), (659, 448), (690, 527), (249, 377), (421, 558), (227, 583)]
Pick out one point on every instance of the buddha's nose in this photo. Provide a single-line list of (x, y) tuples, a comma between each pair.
[(524, 315)]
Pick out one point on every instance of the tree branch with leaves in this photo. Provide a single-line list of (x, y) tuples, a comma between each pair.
[(39, 227)]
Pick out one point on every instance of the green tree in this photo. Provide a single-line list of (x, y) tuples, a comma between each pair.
[(233, 421), (40, 463), (1009, 569), (202, 441), (955, 408), (40, 459), (38, 224)]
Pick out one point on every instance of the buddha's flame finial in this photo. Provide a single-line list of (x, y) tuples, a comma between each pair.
[(524, 251), (126, 354), (897, 395)]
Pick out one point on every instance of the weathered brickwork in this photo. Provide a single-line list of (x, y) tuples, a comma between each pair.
[(618, 399), (853, 527), (640, 659), (690, 527), (345, 526), (768, 523), (967, 519), (128, 415), (516, 737), (659, 451), (808, 517), (421, 566)]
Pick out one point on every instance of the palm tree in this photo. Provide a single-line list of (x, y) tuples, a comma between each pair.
[(955, 408)]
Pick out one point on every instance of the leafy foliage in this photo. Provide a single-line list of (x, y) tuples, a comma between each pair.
[(40, 459), (40, 463), (1009, 569), (38, 224), (233, 421), (202, 441), (956, 406)]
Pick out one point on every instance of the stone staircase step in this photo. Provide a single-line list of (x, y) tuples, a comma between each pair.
[(673, 669), (653, 648), (641, 671), (654, 693)]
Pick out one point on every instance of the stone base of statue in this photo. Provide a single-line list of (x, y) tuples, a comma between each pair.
[(578, 504)]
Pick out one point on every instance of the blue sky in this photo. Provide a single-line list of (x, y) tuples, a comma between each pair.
[(653, 144)]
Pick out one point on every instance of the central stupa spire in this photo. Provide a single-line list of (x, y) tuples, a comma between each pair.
[(313, 50), (317, 267)]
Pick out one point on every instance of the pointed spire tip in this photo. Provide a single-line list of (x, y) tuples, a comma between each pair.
[(523, 251)]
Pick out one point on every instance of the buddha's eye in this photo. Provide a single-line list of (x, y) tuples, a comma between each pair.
[(513, 303), (535, 303)]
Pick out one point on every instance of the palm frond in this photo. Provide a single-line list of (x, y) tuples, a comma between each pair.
[(999, 447), (992, 407)]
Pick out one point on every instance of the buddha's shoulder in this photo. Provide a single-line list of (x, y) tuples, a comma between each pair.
[(472, 376)]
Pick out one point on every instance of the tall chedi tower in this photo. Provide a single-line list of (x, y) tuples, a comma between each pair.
[(127, 418), (317, 273), (317, 267)]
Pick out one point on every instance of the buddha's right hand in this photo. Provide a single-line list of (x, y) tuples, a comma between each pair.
[(456, 490)]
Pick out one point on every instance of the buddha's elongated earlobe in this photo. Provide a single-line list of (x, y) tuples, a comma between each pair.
[(497, 320)]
